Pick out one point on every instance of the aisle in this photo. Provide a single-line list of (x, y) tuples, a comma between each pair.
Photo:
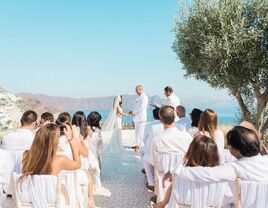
[(125, 182)]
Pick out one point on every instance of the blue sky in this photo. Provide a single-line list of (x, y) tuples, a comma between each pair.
[(88, 48)]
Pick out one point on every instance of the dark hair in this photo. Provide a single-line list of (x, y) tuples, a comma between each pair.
[(202, 151), (79, 120), (66, 115), (195, 117), (244, 140), (167, 115), (47, 116), (93, 120), (28, 117), (62, 121), (168, 89), (156, 114)]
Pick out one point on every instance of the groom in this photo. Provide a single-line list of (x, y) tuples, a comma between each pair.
[(140, 116)]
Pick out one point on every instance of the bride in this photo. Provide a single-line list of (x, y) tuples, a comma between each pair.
[(112, 128)]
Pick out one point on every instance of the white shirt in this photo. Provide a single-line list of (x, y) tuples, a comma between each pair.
[(183, 124), (219, 139), (173, 141), (172, 100), (6, 168), (20, 140), (247, 168), (140, 109)]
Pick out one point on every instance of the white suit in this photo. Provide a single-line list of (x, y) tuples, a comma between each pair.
[(173, 101), (140, 118)]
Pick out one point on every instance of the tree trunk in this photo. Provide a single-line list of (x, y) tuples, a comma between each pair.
[(262, 99), (245, 111)]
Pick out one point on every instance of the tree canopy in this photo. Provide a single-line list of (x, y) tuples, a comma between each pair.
[(225, 43)]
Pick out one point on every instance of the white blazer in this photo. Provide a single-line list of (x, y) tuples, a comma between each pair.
[(140, 108)]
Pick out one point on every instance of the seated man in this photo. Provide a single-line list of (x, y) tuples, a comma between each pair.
[(172, 140), (183, 124), (22, 138)]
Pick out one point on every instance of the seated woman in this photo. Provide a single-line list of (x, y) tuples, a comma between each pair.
[(64, 149), (208, 126), (203, 151), (95, 144), (42, 158)]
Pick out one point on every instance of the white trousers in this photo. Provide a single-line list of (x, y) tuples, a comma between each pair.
[(139, 132), (149, 169)]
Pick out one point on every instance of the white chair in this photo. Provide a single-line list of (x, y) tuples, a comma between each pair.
[(251, 194), (163, 162), (40, 191), (197, 194)]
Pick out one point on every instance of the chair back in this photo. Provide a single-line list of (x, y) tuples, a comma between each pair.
[(163, 162), (198, 194), (251, 194), (40, 191)]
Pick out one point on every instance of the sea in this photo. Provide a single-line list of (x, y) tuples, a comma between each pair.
[(226, 115)]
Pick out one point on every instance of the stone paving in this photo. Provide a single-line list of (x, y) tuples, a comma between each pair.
[(122, 176)]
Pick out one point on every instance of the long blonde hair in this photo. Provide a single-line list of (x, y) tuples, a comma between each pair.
[(208, 122), (38, 160)]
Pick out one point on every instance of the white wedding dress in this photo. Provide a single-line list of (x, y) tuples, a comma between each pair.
[(112, 130)]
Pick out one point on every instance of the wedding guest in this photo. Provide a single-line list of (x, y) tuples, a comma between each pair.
[(208, 125), (46, 118), (183, 124), (140, 116), (171, 100), (22, 138), (172, 140), (95, 144), (93, 120), (202, 152), (152, 129), (246, 124), (42, 158), (195, 118)]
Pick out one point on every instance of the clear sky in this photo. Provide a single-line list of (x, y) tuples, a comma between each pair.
[(88, 48)]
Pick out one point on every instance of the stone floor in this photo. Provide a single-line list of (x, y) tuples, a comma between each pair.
[(122, 176)]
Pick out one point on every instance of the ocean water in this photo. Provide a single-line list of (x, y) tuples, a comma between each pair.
[(226, 115)]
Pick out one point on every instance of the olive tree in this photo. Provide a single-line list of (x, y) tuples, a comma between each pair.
[(225, 43)]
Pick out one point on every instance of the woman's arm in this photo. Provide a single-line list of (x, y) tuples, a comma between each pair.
[(119, 111)]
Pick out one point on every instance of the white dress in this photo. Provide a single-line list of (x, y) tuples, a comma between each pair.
[(115, 145)]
